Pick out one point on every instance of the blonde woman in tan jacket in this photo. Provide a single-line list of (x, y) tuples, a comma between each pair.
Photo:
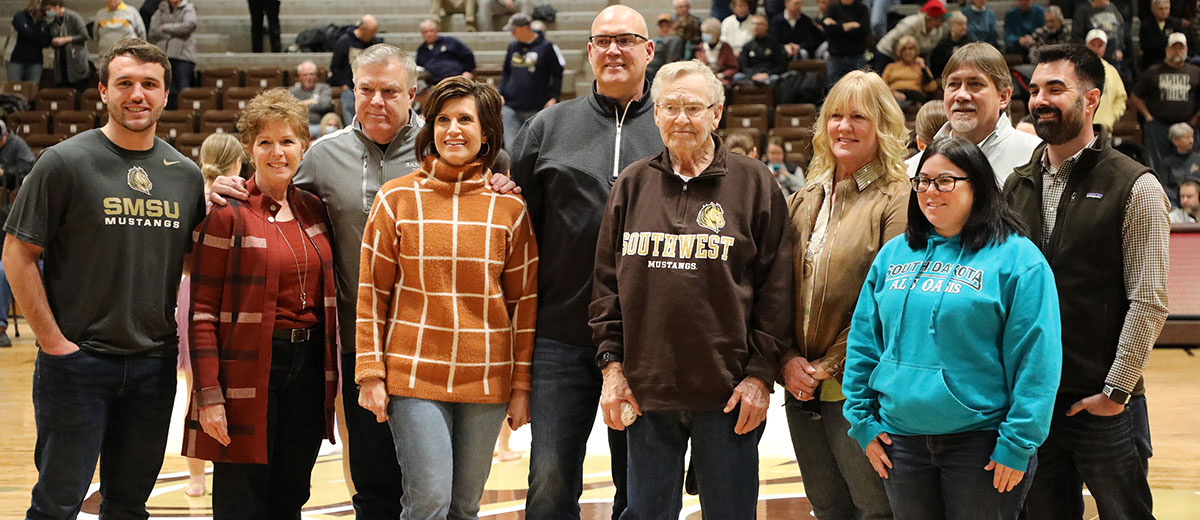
[(855, 200)]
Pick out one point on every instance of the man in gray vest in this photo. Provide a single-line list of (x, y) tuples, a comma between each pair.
[(1101, 220)]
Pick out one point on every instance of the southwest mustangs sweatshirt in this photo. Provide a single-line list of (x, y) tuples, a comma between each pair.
[(694, 280), (948, 340)]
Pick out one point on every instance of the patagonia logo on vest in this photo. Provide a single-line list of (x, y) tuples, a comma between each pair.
[(1094, 195)]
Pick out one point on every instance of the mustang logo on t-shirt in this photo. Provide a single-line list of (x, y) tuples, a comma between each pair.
[(139, 181)]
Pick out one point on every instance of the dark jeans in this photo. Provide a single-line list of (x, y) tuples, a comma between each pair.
[(942, 477), (117, 408), (295, 426), (838, 477), (182, 72), (838, 66), (1109, 454), (259, 8), (725, 464), (373, 466), (566, 392)]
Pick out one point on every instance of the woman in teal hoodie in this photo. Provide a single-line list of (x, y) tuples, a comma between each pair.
[(955, 351)]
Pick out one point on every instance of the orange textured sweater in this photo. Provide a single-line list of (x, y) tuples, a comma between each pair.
[(447, 296)]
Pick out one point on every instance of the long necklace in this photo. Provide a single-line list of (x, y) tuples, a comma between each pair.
[(302, 278)]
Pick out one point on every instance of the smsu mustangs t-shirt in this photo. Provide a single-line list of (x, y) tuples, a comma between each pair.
[(115, 225)]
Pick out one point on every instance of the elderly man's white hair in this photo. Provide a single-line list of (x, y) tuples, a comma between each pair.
[(673, 71)]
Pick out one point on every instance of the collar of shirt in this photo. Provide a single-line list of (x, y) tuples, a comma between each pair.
[(1066, 165)]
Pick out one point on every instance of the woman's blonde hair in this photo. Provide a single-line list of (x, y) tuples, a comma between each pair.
[(866, 92), (218, 154), (904, 41)]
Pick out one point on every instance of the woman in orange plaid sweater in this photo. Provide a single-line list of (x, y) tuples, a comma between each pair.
[(447, 303)]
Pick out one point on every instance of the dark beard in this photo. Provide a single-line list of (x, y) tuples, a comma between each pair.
[(1067, 127)]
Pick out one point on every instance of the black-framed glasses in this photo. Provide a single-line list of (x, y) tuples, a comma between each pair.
[(673, 110), (942, 183), (624, 40)]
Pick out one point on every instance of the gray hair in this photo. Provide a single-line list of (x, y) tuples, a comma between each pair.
[(1056, 11), (711, 25), (1178, 130), (1168, 2), (382, 54), (958, 16), (673, 71), (306, 63)]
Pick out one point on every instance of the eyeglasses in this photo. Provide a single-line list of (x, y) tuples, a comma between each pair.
[(942, 183), (690, 110), (624, 40)]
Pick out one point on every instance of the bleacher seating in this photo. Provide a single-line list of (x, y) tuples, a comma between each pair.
[(90, 100), (55, 99), (219, 121), (71, 122), (264, 77), (29, 122), (199, 99), (235, 98)]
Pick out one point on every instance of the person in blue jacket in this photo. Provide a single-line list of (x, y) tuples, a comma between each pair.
[(955, 348)]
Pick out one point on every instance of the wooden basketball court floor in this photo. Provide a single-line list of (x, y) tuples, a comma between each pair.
[(1172, 381)]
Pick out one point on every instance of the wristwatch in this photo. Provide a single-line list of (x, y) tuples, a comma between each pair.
[(1116, 395), (607, 357)]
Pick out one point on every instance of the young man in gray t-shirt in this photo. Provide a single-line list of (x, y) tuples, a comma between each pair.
[(111, 212)]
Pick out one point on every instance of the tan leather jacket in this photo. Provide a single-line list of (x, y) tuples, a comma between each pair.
[(869, 209)]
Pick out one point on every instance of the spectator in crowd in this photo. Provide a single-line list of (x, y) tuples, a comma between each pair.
[(1188, 211), (686, 24), (1026, 124), (1109, 257), (346, 49), (69, 38), (951, 417), (33, 35), (1153, 36), (789, 175), (705, 378), (171, 28), (1052, 33), (443, 56), (956, 37), (500, 10), (147, 10), (16, 159), (978, 87), (1181, 163), (741, 143), (532, 79), (331, 123), (763, 59), (737, 29), (846, 27), (565, 159), (718, 55), (104, 381), (799, 34), (851, 205), (315, 95), (268, 9), (345, 169), (116, 21), (1184, 11), (925, 27), (264, 389), (981, 21), (1020, 22), (668, 46), (1113, 97), (441, 10), (1101, 14), (720, 9), (1166, 94), (909, 77), (930, 119)]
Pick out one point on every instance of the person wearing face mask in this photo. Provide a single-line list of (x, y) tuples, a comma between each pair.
[(951, 416), (447, 304), (69, 39), (265, 379), (699, 373), (718, 55)]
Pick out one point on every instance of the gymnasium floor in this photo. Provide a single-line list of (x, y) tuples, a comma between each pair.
[(1174, 471)]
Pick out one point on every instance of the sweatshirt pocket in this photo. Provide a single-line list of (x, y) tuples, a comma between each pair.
[(916, 400)]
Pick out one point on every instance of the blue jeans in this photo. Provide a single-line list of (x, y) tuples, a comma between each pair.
[(446, 449), (879, 11), (566, 392), (513, 119), (117, 408), (5, 298), (372, 453), (295, 427), (838, 478), (18, 71), (1109, 454), (942, 477), (838, 66), (725, 464)]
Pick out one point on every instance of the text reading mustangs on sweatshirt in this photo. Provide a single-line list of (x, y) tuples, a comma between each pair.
[(934, 275)]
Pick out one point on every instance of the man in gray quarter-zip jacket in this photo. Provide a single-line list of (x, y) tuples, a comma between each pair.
[(566, 159)]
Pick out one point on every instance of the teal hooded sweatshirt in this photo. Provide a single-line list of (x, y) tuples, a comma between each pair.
[(948, 340)]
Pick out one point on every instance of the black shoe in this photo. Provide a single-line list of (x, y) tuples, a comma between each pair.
[(5, 341)]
